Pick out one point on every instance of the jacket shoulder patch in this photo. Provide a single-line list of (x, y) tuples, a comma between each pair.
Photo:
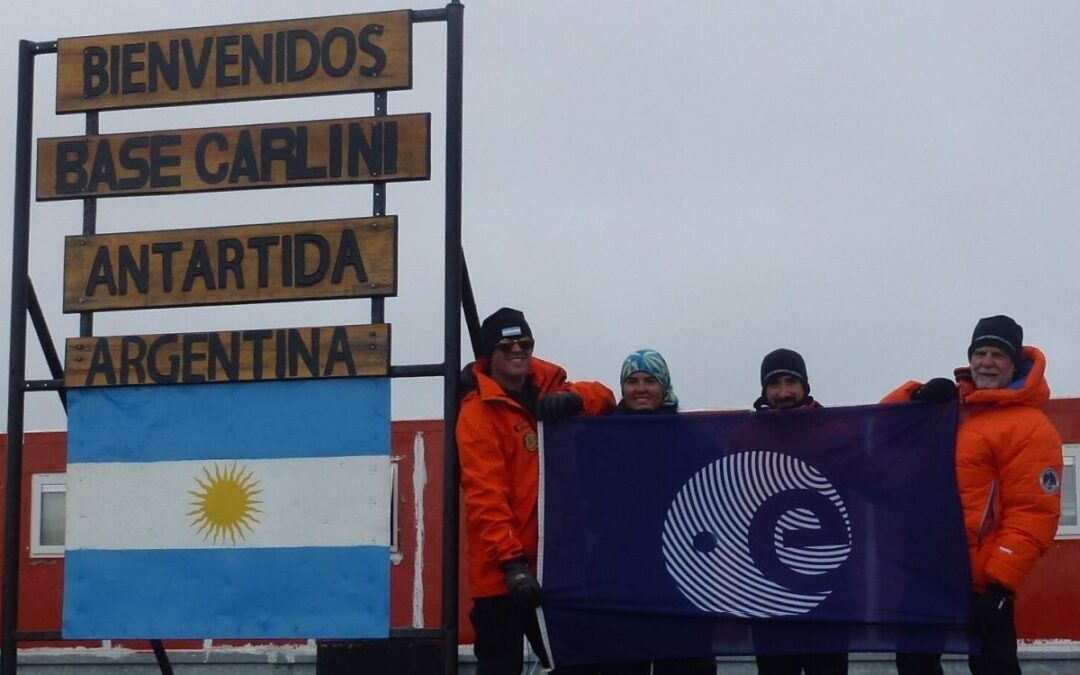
[(1050, 481)]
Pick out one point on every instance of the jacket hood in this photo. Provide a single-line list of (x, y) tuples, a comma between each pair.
[(1029, 389)]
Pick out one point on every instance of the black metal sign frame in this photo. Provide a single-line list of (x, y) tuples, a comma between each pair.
[(24, 301)]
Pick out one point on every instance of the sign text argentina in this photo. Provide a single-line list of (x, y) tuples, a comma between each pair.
[(228, 356), (347, 258), (362, 52), (359, 150)]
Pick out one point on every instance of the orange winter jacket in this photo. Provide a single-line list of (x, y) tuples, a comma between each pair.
[(500, 470), (1008, 471)]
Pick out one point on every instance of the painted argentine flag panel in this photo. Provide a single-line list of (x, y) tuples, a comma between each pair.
[(323, 501), (252, 510)]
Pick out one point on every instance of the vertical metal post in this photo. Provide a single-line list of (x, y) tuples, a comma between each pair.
[(455, 19), (20, 261), (378, 208), (468, 303), (89, 226)]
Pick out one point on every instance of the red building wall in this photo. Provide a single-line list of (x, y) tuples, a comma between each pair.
[(1047, 608)]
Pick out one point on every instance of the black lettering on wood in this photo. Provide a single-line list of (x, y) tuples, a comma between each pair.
[(160, 160), (166, 249), (130, 161), (253, 59), (256, 338), (299, 169), (101, 363), (230, 259), (377, 53), (226, 56), (335, 151), (114, 69), (228, 359), (299, 351), (158, 376), (345, 37), (322, 258), (191, 356), (199, 266), (279, 57), (138, 272), (262, 249), (286, 261), (95, 76), (359, 147), (281, 352), (101, 272), (196, 69), (102, 169), (390, 147), (277, 144), (165, 67), (295, 71), (71, 158), (205, 175), (245, 164), (132, 66), (339, 352), (348, 256), (132, 363)]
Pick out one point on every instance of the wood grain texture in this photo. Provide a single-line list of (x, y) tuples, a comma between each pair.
[(347, 258), (229, 356), (303, 57)]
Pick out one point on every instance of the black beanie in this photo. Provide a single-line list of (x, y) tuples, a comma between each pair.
[(998, 331), (783, 362), (504, 323)]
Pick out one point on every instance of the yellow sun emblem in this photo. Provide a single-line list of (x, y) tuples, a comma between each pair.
[(225, 506)]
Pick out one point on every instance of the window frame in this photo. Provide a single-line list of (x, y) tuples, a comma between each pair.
[(1070, 453), (40, 484)]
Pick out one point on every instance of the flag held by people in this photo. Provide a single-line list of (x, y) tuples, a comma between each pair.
[(803, 531)]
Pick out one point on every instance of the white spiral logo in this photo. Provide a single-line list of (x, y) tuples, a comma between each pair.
[(774, 500)]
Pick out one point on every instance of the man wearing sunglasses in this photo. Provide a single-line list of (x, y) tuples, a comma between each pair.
[(500, 475)]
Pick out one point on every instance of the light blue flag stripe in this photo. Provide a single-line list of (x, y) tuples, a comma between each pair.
[(244, 420), (335, 592)]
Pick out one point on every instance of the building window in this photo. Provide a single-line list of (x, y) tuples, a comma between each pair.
[(1069, 526), (48, 498)]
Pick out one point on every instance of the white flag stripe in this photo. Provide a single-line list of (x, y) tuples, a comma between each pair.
[(326, 501)]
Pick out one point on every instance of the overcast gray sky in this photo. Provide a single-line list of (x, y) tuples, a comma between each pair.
[(859, 181)]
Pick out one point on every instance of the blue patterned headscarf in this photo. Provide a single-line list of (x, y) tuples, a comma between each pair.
[(650, 361)]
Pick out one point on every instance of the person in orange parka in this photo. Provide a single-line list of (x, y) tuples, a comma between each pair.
[(1008, 471), (500, 475)]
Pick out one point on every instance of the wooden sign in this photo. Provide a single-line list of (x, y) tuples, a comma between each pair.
[(361, 52), (358, 150), (229, 356), (350, 258)]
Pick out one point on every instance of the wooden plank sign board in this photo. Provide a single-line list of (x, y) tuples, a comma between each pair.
[(291, 154), (229, 356), (304, 57), (348, 258)]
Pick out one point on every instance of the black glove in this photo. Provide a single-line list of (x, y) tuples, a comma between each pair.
[(992, 610), (467, 379), (560, 404), (937, 390), (522, 584)]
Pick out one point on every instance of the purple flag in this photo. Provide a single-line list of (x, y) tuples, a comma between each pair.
[(802, 531)]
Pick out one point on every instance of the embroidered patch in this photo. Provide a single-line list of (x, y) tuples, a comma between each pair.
[(1050, 481), (530, 442), (511, 331)]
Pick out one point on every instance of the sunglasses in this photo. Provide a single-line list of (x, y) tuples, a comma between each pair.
[(506, 345)]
